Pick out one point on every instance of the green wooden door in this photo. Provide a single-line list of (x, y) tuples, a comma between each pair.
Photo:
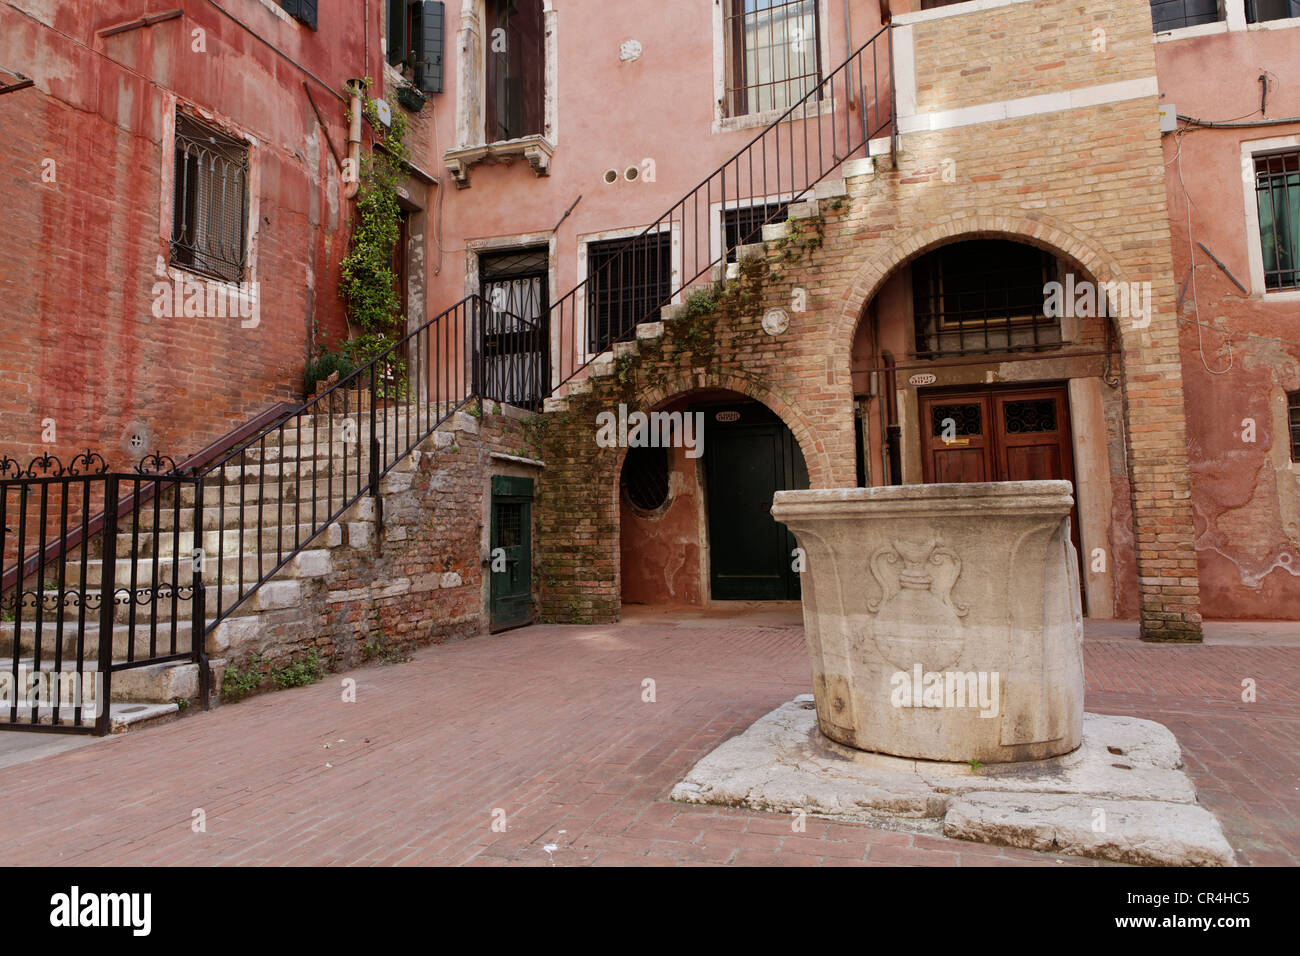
[(510, 592), (749, 455)]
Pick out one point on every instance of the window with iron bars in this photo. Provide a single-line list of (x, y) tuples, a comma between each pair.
[(1277, 195), (1175, 14), (1293, 418), (516, 340), (773, 54), (1260, 11), (627, 279), (210, 201), (745, 225), (982, 296)]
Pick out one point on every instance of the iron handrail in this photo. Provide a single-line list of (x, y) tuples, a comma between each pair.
[(758, 164)]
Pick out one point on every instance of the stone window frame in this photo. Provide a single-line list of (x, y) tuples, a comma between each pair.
[(473, 286), (1254, 247), (471, 146), (722, 123), (167, 202), (585, 240)]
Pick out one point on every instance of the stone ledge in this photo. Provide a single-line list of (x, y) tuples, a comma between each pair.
[(1130, 769)]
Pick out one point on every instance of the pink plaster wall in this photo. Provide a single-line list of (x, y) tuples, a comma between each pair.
[(1245, 495)]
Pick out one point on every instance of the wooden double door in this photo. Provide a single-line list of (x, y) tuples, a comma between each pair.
[(998, 434)]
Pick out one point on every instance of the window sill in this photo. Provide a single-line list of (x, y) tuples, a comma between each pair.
[(538, 150), (731, 124), (1283, 295), (1186, 33), (1281, 24)]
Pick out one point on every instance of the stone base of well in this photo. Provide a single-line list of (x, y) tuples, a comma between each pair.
[(1121, 796)]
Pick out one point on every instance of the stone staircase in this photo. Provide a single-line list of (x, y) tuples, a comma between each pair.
[(605, 365), (286, 487)]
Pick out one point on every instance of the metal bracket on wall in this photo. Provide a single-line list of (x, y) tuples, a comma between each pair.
[(145, 21)]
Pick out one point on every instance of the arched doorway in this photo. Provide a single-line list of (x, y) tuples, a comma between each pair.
[(963, 373), (695, 523)]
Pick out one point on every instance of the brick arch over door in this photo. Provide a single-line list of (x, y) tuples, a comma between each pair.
[(1154, 423), (681, 384), (1051, 235)]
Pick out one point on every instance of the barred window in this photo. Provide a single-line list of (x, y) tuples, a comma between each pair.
[(1277, 194), (628, 280), (1259, 11), (1175, 14), (210, 201), (745, 225), (773, 54), (1293, 417), (302, 10), (983, 295)]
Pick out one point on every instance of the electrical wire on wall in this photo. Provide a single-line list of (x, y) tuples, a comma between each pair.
[(1177, 162), (442, 189)]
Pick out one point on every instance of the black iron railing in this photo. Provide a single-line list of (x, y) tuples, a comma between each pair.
[(283, 487), (73, 615), (834, 120), (99, 573)]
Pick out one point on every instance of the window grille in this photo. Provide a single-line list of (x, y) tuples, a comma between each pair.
[(1175, 14), (745, 225), (773, 54), (1277, 194), (210, 208), (627, 279), (1293, 417), (983, 296), (1260, 11)]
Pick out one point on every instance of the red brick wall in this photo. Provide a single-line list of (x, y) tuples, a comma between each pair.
[(81, 343)]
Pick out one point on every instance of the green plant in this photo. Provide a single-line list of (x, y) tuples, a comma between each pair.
[(325, 364), (623, 367), (975, 765), (182, 703), (299, 673), (238, 682), (367, 283), (379, 649), (475, 408)]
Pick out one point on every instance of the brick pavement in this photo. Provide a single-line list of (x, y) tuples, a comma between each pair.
[(547, 724)]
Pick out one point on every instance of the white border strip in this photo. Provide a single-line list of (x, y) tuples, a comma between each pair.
[(1030, 106)]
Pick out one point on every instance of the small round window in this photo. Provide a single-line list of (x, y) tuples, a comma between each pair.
[(645, 478)]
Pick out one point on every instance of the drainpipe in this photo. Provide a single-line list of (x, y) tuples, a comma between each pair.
[(350, 189)]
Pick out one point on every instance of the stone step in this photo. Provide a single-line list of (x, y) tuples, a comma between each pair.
[(290, 510), (272, 538), (122, 643), (321, 487), (227, 564), (122, 715), (281, 591), (147, 683)]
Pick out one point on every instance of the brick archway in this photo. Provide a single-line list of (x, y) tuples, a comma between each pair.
[(1155, 422), (682, 383), (1041, 231)]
